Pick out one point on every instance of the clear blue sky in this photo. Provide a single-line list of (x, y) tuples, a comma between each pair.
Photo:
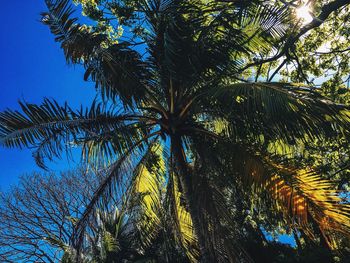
[(32, 67)]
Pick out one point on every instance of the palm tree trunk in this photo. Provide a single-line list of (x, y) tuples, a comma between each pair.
[(187, 189)]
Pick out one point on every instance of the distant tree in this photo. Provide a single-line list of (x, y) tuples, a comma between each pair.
[(37, 216)]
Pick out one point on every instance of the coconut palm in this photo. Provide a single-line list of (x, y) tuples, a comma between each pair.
[(137, 228), (114, 239), (173, 82)]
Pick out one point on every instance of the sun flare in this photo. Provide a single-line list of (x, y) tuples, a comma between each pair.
[(303, 13)]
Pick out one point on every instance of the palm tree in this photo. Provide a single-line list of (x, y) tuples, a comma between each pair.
[(137, 228), (173, 82), (115, 238)]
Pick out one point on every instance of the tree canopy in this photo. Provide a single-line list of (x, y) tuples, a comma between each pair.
[(214, 101)]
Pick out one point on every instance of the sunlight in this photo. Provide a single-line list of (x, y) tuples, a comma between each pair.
[(303, 13)]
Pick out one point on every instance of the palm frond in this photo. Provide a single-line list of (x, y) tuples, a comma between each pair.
[(51, 128), (78, 44), (117, 174), (159, 196), (304, 196), (148, 183), (116, 69), (183, 225), (270, 21), (119, 72), (278, 110)]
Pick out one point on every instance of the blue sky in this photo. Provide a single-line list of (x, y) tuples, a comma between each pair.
[(32, 67)]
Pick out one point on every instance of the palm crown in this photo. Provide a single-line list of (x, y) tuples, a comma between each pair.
[(172, 83)]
